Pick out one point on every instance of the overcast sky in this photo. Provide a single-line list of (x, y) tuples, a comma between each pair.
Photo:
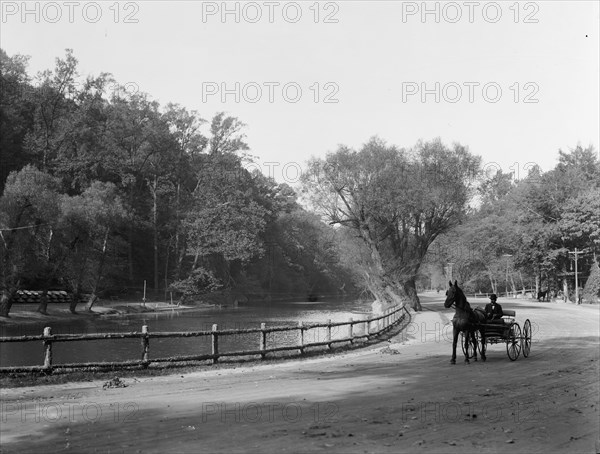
[(514, 82)]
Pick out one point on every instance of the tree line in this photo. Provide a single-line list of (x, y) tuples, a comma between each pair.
[(524, 233), (431, 213), (102, 189)]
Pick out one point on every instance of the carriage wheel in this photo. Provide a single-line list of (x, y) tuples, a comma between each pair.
[(513, 341), (526, 339)]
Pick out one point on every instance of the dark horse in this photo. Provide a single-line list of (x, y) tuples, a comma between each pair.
[(466, 320)]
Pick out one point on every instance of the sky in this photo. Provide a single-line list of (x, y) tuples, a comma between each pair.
[(513, 81)]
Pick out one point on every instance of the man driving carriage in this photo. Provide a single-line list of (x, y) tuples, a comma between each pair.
[(493, 311)]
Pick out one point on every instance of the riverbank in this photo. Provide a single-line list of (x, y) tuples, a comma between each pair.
[(26, 313)]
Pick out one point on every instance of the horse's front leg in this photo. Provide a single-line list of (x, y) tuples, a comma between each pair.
[(455, 333)]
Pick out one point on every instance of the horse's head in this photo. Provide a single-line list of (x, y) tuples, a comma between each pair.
[(451, 294)]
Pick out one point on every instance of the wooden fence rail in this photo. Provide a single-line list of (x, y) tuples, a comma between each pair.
[(374, 326)]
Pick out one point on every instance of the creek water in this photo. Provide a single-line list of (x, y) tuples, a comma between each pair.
[(241, 317)]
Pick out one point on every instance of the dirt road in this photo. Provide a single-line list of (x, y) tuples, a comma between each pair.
[(401, 397)]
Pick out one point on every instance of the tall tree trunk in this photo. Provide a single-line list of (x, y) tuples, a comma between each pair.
[(75, 297), (154, 189), (513, 285), (130, 239), (491, 278), (177, 234), (166, 270), (94, 296), (76, 294)]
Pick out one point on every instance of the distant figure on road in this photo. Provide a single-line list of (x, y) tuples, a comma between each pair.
[(493, 310)]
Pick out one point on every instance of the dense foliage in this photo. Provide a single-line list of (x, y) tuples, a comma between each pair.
[(102, 189), (524, 233)]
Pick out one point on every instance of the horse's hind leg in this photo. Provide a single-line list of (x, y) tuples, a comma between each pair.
[(474, 342), (482, 336), (467, 340)]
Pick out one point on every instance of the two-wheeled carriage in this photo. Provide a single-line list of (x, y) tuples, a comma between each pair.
[(505, 330)]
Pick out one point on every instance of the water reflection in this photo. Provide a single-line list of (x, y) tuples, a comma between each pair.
[(242, 317)]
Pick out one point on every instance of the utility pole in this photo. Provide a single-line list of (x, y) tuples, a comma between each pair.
[(450, 270), (576, 253)]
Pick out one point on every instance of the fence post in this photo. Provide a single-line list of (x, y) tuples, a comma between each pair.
[(301, 328), (368, 326), (215, 343), (350, 334), (145, 345), (263, 340), (48, 349), (328, 333)]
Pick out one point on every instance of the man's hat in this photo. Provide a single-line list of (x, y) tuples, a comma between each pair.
[(493, 297)]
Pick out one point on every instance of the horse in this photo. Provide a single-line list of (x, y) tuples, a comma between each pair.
[(542, 296), (465, 320)]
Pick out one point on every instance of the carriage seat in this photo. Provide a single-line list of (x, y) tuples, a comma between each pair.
[(508, 315)]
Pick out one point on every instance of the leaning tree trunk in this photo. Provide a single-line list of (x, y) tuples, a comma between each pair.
[(6, 300), (411, 292), (385, 290)]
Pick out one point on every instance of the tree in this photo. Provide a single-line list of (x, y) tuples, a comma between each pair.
[(28, 215), (537, 220), (93, 217), (581, 219), (398, 201), (16, 112)]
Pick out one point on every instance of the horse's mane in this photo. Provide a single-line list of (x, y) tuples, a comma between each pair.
[(462, 296)]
